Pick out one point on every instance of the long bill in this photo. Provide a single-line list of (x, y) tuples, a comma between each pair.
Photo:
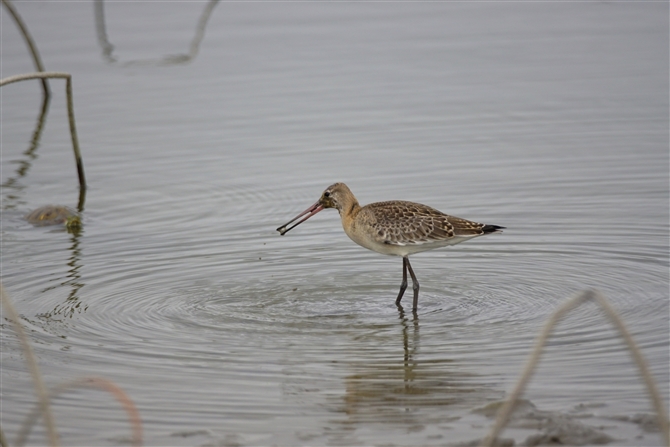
[(312, 210)]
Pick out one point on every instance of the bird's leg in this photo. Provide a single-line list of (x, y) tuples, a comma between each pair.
[(415, 285), (403, 285)]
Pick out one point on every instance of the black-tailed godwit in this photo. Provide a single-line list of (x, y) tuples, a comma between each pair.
[(395, 228)]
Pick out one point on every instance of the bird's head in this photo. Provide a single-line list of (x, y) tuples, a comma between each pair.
[(337, 196)]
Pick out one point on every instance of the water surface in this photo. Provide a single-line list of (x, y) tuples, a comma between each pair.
[(550, 119)]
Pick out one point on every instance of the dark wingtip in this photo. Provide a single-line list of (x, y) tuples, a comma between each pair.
[(486, 229)]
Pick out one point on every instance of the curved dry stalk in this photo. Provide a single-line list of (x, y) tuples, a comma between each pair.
[(107, 47), (29, 41), (101, 28), (88, 382), (506, 410), (200, 30), (40, 387), (70, 112)]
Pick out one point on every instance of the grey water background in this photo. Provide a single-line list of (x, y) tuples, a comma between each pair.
[(548, 118)]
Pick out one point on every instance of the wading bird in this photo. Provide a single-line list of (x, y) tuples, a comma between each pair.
[(395, 228)]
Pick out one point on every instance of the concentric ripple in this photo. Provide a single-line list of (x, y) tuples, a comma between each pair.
[(549, 122)]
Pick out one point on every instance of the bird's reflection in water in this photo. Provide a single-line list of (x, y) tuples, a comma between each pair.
[(407, 391)]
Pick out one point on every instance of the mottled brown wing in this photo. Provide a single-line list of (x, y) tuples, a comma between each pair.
[(404, 223), (463, 227)]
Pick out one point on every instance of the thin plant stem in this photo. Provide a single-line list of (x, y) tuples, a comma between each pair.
[(88, 382), (200, 30), (29, 41), (3, 441), (108, 48), (506, 410), (70, 110), (40, 387)]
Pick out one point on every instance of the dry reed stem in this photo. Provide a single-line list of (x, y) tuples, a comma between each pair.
[(506, 410), (3, 441), (173, 59), (107, 48), (29, 41), (40, 387), (70, 112), (200, 29), (88, 382)]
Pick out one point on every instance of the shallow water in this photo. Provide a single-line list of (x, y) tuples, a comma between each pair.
[(550, 119)]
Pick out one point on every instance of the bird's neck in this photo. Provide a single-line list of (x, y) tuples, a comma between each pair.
[(349, 209), (348, 214)]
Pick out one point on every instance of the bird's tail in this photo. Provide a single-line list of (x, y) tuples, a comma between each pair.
[(486, 229)]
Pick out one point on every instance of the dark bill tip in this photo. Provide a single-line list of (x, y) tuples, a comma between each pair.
[(312, 210)]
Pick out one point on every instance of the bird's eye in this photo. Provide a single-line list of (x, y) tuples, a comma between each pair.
[(326, 194)]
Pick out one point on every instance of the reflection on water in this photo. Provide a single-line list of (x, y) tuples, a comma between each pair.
[(108, 48), (40, 122), (378, 391), (72, 280), (550, 119), (46, 96), (12, 200), (406, 390)]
